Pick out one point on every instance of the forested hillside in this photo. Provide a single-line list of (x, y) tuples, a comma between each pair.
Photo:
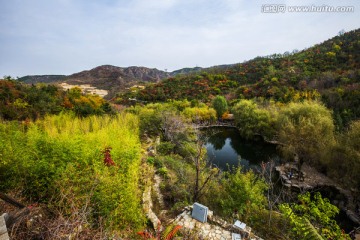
[(200, 87), (329, 71)]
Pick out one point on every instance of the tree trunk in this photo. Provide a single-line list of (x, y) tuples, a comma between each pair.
[(197, 179), (300, 163), (11, 200)]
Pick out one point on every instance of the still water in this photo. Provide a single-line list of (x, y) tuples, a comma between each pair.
[(226, 148)]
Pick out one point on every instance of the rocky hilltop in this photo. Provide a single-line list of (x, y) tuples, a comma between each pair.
[(112, 73), (108, 77), (116, 79)]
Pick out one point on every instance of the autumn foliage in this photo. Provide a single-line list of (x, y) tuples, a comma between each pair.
[(107, 157), (19, 101)]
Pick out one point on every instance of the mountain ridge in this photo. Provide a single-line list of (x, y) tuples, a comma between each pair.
[(136, 72), (329, 63), (112, 78)]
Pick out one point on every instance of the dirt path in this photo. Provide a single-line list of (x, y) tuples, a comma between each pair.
[(159, 196), (152, 184)]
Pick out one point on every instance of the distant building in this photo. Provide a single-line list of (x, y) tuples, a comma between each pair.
[(228, 117), (136, 88)]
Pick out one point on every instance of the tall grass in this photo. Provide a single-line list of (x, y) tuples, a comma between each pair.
[(59, 161)]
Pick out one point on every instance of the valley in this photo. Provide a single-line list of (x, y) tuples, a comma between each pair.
[(84, 150)]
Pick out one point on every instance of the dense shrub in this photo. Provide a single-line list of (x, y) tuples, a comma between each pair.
[(165, 148), (61, 159), (252, 119)]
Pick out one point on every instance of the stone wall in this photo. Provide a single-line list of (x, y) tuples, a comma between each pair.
[(3, 230), (215, 229)]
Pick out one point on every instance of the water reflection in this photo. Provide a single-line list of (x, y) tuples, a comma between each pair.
[(226, 148)]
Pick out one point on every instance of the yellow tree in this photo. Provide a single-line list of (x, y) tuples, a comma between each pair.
[(307, 130)]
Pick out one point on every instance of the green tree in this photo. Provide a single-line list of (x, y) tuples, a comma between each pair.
[(312, 218), (150, 121), (252, 120), (200, 114), (345, 157), (220, 105), (242, 192)]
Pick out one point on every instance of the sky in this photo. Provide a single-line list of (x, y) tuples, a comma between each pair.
[(40, 37)]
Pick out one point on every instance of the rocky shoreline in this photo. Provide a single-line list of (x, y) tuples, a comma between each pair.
[(312, 180)]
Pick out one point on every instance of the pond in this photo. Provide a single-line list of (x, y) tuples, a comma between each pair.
[(226, 148)]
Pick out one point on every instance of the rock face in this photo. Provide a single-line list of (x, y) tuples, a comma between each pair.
[(3, 230)]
